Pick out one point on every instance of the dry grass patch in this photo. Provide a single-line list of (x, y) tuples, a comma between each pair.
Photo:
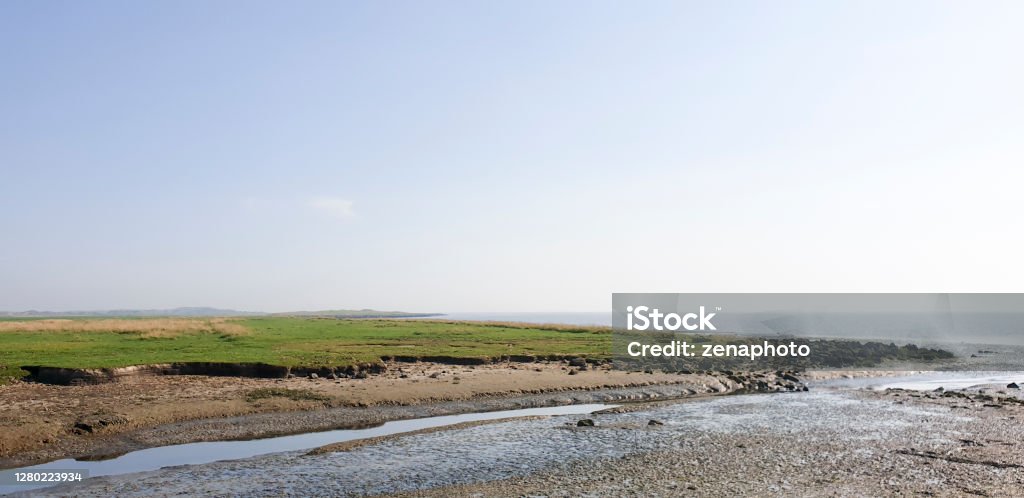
[(145, 327)]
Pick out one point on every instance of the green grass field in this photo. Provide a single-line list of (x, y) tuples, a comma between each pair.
[(291, 341)]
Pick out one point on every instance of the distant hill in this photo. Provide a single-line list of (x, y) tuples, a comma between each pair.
[(365, 313), (203, 311), (189, 311)]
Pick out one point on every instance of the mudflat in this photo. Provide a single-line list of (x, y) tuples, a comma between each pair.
[(41, 422), (892, 443), (822, 442)]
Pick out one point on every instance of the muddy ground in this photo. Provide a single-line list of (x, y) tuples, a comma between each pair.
[(43, 422), (825, 442), (882, 444)]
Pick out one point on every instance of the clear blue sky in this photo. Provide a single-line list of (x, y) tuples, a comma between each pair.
[(501, 156)]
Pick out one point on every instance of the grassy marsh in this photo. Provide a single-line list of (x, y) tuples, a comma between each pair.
[(285, 341)]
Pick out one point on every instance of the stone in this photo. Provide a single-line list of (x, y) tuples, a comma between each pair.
[(82, 428), (314, 376), (587, 422), (93, 423), (655, 422), (1012, 385)]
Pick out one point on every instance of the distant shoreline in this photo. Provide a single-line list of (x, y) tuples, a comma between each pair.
[(201, 312)]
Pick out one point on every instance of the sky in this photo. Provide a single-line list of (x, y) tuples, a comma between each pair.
[(504, 156)]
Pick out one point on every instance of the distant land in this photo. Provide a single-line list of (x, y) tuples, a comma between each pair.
[(203, 311), (365, 313)]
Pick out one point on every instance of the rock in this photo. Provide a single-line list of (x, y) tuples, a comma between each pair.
[(573, 372), (578, 362), (1012, 385), (939, 390), (361, 374), (93, 423), (435, 375), (655, 422), (587, 422), (82, 428), (314, 376), (333, 376)]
